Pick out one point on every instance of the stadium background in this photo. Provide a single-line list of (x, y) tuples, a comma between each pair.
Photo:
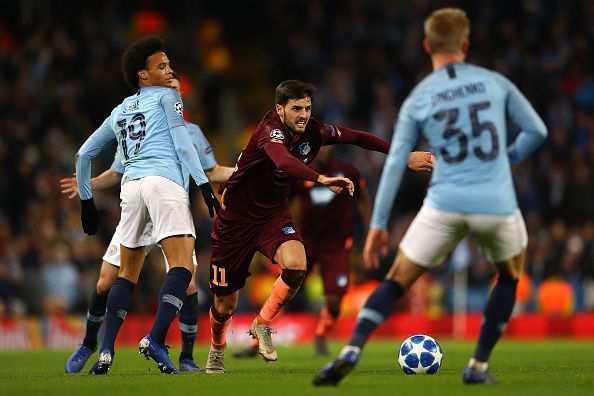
[(60, 76)]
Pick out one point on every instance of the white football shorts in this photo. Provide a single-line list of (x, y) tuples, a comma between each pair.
[(434, 233), (153, 208)]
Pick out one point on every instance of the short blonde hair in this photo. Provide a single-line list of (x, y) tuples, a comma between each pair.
[(446, 29)]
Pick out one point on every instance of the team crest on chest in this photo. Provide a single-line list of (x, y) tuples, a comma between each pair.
[(288, 230), (304, 148)]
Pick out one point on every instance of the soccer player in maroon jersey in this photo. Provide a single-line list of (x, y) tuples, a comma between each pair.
[(326, 221), (255, 216)]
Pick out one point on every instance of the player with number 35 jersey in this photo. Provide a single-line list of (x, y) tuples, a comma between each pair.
[(462, 111)]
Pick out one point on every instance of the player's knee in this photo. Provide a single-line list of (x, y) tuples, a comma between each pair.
[(293, 277), (224, 306), (223, 312)]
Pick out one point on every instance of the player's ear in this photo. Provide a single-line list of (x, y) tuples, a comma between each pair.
[(280, 111), (143, 74), (426, 46), (465, 45)]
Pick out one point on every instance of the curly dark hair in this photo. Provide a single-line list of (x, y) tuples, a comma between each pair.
[(293, 89), (135, 57)]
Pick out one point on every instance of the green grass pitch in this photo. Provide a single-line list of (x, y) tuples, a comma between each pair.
[(558, 367)]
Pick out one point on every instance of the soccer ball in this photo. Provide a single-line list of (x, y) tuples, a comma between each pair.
[(420, 354)]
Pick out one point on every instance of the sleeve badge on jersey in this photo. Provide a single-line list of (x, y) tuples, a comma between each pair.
[(277, 134), (332, 130), (179, 108)]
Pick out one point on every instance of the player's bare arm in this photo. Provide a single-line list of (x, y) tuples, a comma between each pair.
[(105, 180), (418, 161), (377, 240), (219, 174)]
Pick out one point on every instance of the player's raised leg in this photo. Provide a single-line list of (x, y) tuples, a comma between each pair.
[(95, 317), (290, 255), (378, 307)]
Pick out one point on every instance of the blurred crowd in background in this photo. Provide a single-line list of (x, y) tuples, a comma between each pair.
[(60, 77)]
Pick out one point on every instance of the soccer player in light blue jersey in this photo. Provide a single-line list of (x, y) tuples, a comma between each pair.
[(188, 315), (154, 141), (461, 110)]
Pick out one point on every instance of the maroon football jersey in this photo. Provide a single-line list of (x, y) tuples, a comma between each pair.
[(257, 189), (326, 219)]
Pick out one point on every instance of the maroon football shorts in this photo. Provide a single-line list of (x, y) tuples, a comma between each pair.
[(333, 264), (234, 244)]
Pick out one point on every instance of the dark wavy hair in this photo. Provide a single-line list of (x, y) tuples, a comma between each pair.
[(293, 89), (136, 55)]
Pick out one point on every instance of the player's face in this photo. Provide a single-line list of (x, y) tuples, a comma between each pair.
[(295, 114), (158, 71)]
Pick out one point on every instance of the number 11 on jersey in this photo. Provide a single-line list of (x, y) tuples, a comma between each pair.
[(218, 276)]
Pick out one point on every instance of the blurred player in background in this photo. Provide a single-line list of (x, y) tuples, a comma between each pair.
[(188, 315), (156, 149), (255, 216), (461, 110), (326, 221)]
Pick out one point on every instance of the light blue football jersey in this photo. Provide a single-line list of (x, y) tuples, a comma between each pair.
[(462, 111), (201, 144), (152, 138)]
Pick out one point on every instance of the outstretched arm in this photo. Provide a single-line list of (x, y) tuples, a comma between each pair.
[(377, 238), (362, 139), (283, 159), (404, 139), (105, 180), (218, 173), (215, 172), (418, 161)]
